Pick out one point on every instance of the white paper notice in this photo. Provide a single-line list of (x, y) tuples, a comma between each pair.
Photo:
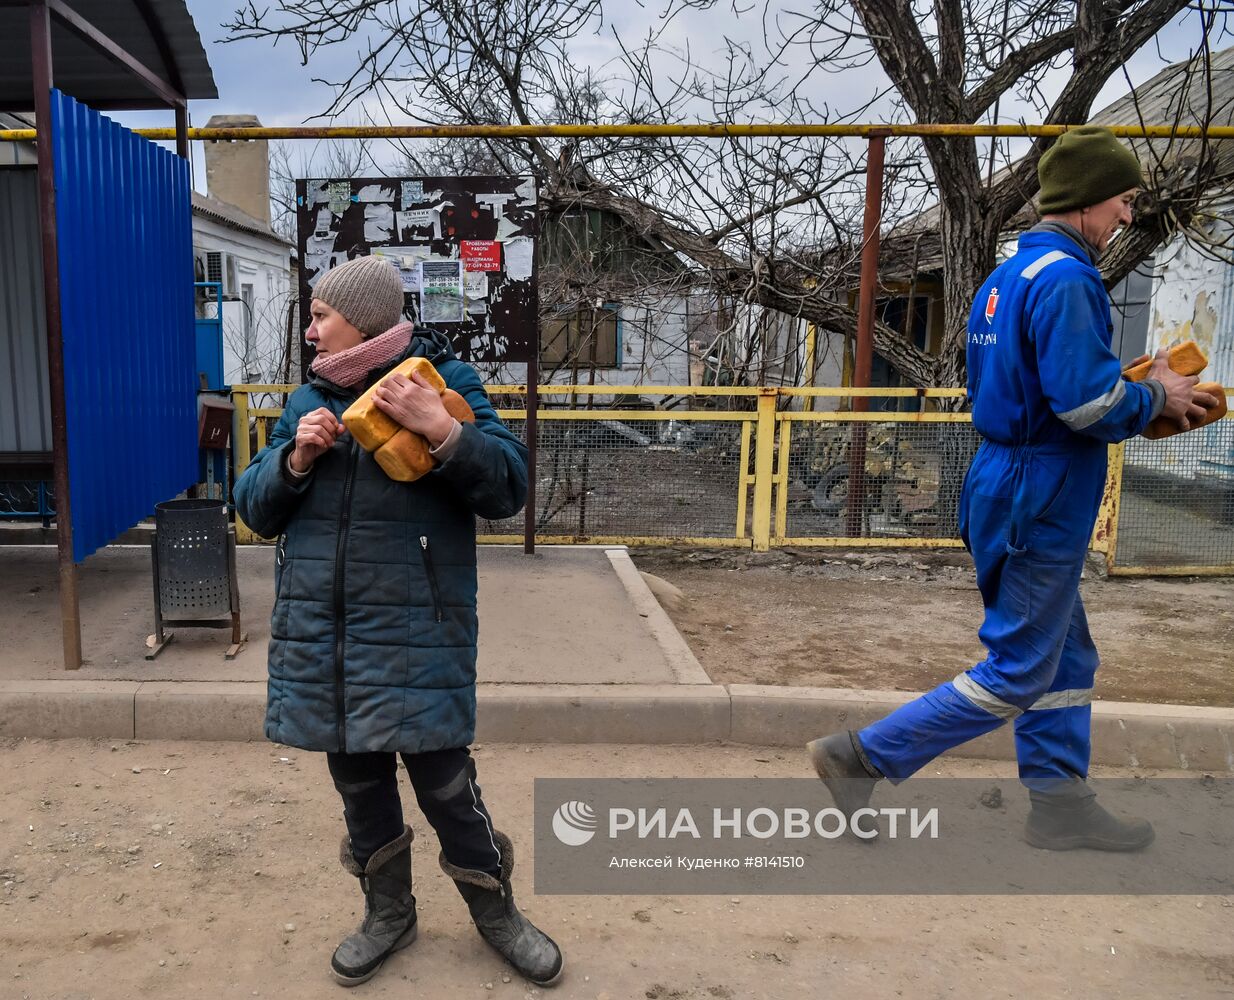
[(378, 222), (506, 229), (375, 192), (519, 255), (441, 291), (407, 260), (475, 290)]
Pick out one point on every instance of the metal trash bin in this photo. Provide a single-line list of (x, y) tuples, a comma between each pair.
[(193, 557)]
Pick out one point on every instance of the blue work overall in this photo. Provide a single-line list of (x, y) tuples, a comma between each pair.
[(1047, 396)]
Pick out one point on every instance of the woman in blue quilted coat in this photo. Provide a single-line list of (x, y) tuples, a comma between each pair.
[(373, 635)]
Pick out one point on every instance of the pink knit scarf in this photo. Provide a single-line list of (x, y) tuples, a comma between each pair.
[(346, 368)]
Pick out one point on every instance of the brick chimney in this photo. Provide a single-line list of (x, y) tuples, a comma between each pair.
[(238, 171)]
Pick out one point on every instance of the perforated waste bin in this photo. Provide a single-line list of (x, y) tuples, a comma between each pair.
[(193, 557)]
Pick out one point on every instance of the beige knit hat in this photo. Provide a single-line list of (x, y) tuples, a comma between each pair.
[(367, 291)]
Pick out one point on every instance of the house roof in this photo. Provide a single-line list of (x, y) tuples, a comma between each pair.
[(1180, 94), (232, 217), (158, 33), (1176, 95)]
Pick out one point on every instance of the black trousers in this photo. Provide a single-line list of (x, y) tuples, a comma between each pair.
[(444, 782)]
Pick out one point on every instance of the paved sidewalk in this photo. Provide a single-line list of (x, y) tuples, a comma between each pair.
[(574, 649), (578, 615)]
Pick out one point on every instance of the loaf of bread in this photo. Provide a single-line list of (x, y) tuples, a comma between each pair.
[(1164, 427), (367, 424), (405, 457), (1185, 358)]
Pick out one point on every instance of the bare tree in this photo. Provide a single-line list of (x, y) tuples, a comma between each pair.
[(953, 61), (742, 215), (326, 158), (770, 223)]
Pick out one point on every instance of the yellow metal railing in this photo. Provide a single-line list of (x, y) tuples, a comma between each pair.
[(705, 130), (763, 482)]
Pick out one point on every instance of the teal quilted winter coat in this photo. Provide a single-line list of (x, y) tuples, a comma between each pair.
[(373, 635)]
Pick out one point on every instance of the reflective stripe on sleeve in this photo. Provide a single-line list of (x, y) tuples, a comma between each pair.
[(1087, 414)]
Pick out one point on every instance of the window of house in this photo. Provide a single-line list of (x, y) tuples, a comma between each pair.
[(589, 337)]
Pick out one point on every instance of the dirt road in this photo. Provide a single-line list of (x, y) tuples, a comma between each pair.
[(908, 622), (194, 870)]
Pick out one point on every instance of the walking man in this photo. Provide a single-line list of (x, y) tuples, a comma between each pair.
[(1047, 396)]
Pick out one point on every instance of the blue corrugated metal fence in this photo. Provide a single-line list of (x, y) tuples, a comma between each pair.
[(124, 225)]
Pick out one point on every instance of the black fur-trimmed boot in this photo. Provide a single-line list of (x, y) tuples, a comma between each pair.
[(389, 911), (491, 901)]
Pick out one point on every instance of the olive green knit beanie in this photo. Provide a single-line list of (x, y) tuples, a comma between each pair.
[(367, 291), (1085, 167)]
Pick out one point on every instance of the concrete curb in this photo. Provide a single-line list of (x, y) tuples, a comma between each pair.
[(1124, 734), (681, 659)]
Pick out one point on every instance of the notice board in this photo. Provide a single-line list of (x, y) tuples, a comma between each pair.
[(464, 246)]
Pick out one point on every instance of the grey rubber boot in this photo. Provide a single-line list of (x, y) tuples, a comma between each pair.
[(848, 774), (491, 901), (389, 911), (1069, 817)]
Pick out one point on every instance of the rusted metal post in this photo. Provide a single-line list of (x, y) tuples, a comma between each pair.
[(70, 614), (864, 361), (182, 130), (533, 398)]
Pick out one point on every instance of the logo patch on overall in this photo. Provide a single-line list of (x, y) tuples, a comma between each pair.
[(990, 305)]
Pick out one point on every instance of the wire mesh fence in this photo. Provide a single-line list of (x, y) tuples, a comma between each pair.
[(843, 479), (748, 472), (1176, 507), (639, 474)]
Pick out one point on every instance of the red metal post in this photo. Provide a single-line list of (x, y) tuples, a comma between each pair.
[(70, 615), (533, 399), (864, 361)]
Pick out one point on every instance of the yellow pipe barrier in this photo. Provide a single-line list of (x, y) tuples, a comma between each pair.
[(242, 456), (712, 130), (898, 392), (764, 456), (744, 478), (786, 438), (876, 417), (837, 542), (1105, 531), (766, 435), (695, 541)]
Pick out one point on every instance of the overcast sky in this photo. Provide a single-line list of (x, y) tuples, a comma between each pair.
[(258, 78)]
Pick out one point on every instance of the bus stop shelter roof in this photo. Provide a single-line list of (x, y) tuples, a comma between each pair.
[(160, 34)]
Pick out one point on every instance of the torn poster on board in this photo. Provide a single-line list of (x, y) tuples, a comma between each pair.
[(519, 253), (407, 260), (441, 291), (378, 222), (375, 192), (339, 196), (411, 192), (475, 291)]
